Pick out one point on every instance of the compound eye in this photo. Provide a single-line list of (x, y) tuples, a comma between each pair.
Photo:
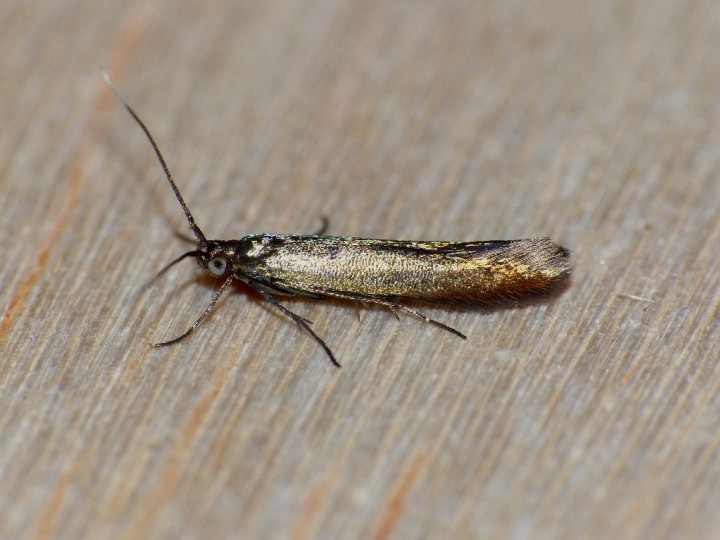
[(217, 267)]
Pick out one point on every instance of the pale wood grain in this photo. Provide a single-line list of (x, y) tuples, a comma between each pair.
[(595, 414)]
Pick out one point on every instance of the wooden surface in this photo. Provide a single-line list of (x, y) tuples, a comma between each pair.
[(595, 123)]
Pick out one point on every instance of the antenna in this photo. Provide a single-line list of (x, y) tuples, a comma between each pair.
[(195, 229)]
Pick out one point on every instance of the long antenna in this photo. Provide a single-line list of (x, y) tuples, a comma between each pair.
[(195, 229)]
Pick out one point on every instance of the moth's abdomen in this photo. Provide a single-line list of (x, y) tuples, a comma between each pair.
[(470, 273)]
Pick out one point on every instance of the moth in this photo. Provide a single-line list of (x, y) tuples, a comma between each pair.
[(390, 273)]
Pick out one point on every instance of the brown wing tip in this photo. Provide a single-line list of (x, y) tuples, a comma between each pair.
[(552, 260), (545, 268)]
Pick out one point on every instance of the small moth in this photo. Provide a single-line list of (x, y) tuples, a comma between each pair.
[(390, 273)]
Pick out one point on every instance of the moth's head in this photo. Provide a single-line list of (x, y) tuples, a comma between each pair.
[(216, 256)]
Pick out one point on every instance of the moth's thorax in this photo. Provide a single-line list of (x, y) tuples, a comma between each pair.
[(239, 255)]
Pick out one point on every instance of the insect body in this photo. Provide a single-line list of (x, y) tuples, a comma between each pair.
[(385, 272)]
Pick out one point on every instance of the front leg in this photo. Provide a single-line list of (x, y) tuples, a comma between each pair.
[(301, 321)]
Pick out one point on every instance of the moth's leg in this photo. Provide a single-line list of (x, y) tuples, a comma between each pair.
[(301, 321), (323, 227), (358, 304), (426, 319), (290, 293), (395, 307), (200, 319), (185, 237)]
